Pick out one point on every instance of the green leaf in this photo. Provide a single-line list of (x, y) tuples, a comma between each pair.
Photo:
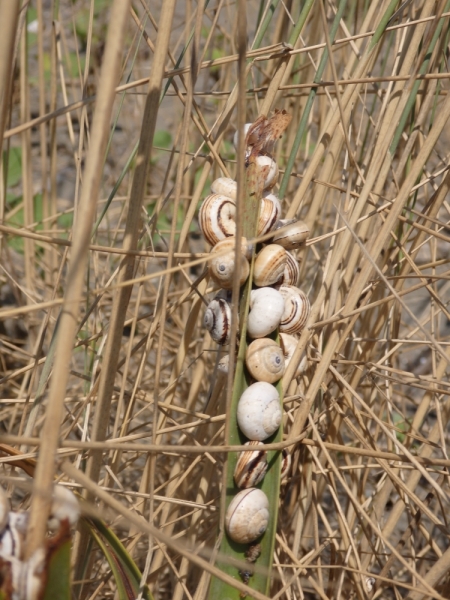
[(162, 139), (58, 579), (13, 158)]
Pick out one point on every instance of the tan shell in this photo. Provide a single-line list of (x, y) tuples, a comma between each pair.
[(259, 412), (265, 360), (247, 516), (225, 186), (269, 265), (269, 214), (271, 170), (216, 218), (296, 309), (251, 465), (292, 234), (289, 344), (222, 263), (267, 306), (217, 320), (291, 273)]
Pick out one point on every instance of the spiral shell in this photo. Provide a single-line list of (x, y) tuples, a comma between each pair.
[(247, 516), (269, 213), (222, 263), (293, 234), (267, 307), (270, 169), (251, 465), (269, 265), (258, 411), (225, 186), (265, 360), (291, 271), (296, 309), (216, 218), (217, 320), (288, 344)]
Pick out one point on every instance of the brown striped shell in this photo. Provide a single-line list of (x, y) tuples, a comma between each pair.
[(291, 234), (269, 265), (264, 359), (216, 218), (269, 213), (251, 465), (296, 309), (222, 263), (291, 273), (217, 320)]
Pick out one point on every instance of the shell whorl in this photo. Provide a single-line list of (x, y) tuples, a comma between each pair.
[(216, 218), (296, 309), (259, 412), (247, 516), (291, 273), (269, 213), (225, 186), (251, 465), (222, 266), (265, 360), (217, 320), (292, 234), (270, 265), (267, 306)]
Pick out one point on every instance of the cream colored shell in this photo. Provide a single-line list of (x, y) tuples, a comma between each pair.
[(225, 186), (288, 344), (217, 320), (269, 213), (216, 218), (222, 266), (247, 516), (291, 234), (264, 359), (270, 168), (269, 266), (291, 273), (251, 465), (267, 307), (258, 411), (296, 309)]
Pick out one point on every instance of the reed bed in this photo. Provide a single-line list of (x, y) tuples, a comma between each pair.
[(115, 117)]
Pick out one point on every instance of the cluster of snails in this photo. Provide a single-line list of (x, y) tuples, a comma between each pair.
[(26, 578), (276, 303)]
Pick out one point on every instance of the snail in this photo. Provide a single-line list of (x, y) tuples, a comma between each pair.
[(251, 465), (291, 271), (247, 516), (270, 170), (217, 320), (225, 186), (296, 309), (269, 265), (269, 212), (293, 234), (289, 344), (65, 507), (259, 411), (236, 135), (216, 218), (265, 360), (267, 307), (222, 266)]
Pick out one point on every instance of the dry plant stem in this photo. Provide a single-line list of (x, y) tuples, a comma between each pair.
[(9, 17), (43, 483)]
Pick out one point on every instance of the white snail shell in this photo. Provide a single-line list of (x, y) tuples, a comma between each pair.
[(247, 516), (265, 360), (222, 266), (224, 364), (65, 506), (296, 309), (225, 186), (251, 465), (269, 265), (291, 271), (269, 213), (293, 234), (267, 307), (258, 411), (217, 320), (216, 218), (289, 344), (270, 168), (236, 134)]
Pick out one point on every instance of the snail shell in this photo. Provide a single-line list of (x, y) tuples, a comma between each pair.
[(292, 234), (236, 134), (258, 411), (217, 320), (286, 462), (251, 466), (222, 264), (216, 218), (289, 344), (269, 213), (265, 360), (270, 169), (64, 507), (269, 265), (225, 186), (296, 309), (247, 516), (267, 307), (291, 271)]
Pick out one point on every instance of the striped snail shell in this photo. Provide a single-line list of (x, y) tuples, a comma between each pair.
[(247, 516), (292, 234), (269, 213), (265, 360), (222, 263), (267, 306), (225, 186), (270, 170), (296, 309), (251, 465), (258, 411), (270, 264), (216, 218), (291, 271), (288, 343), (217, 320)]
